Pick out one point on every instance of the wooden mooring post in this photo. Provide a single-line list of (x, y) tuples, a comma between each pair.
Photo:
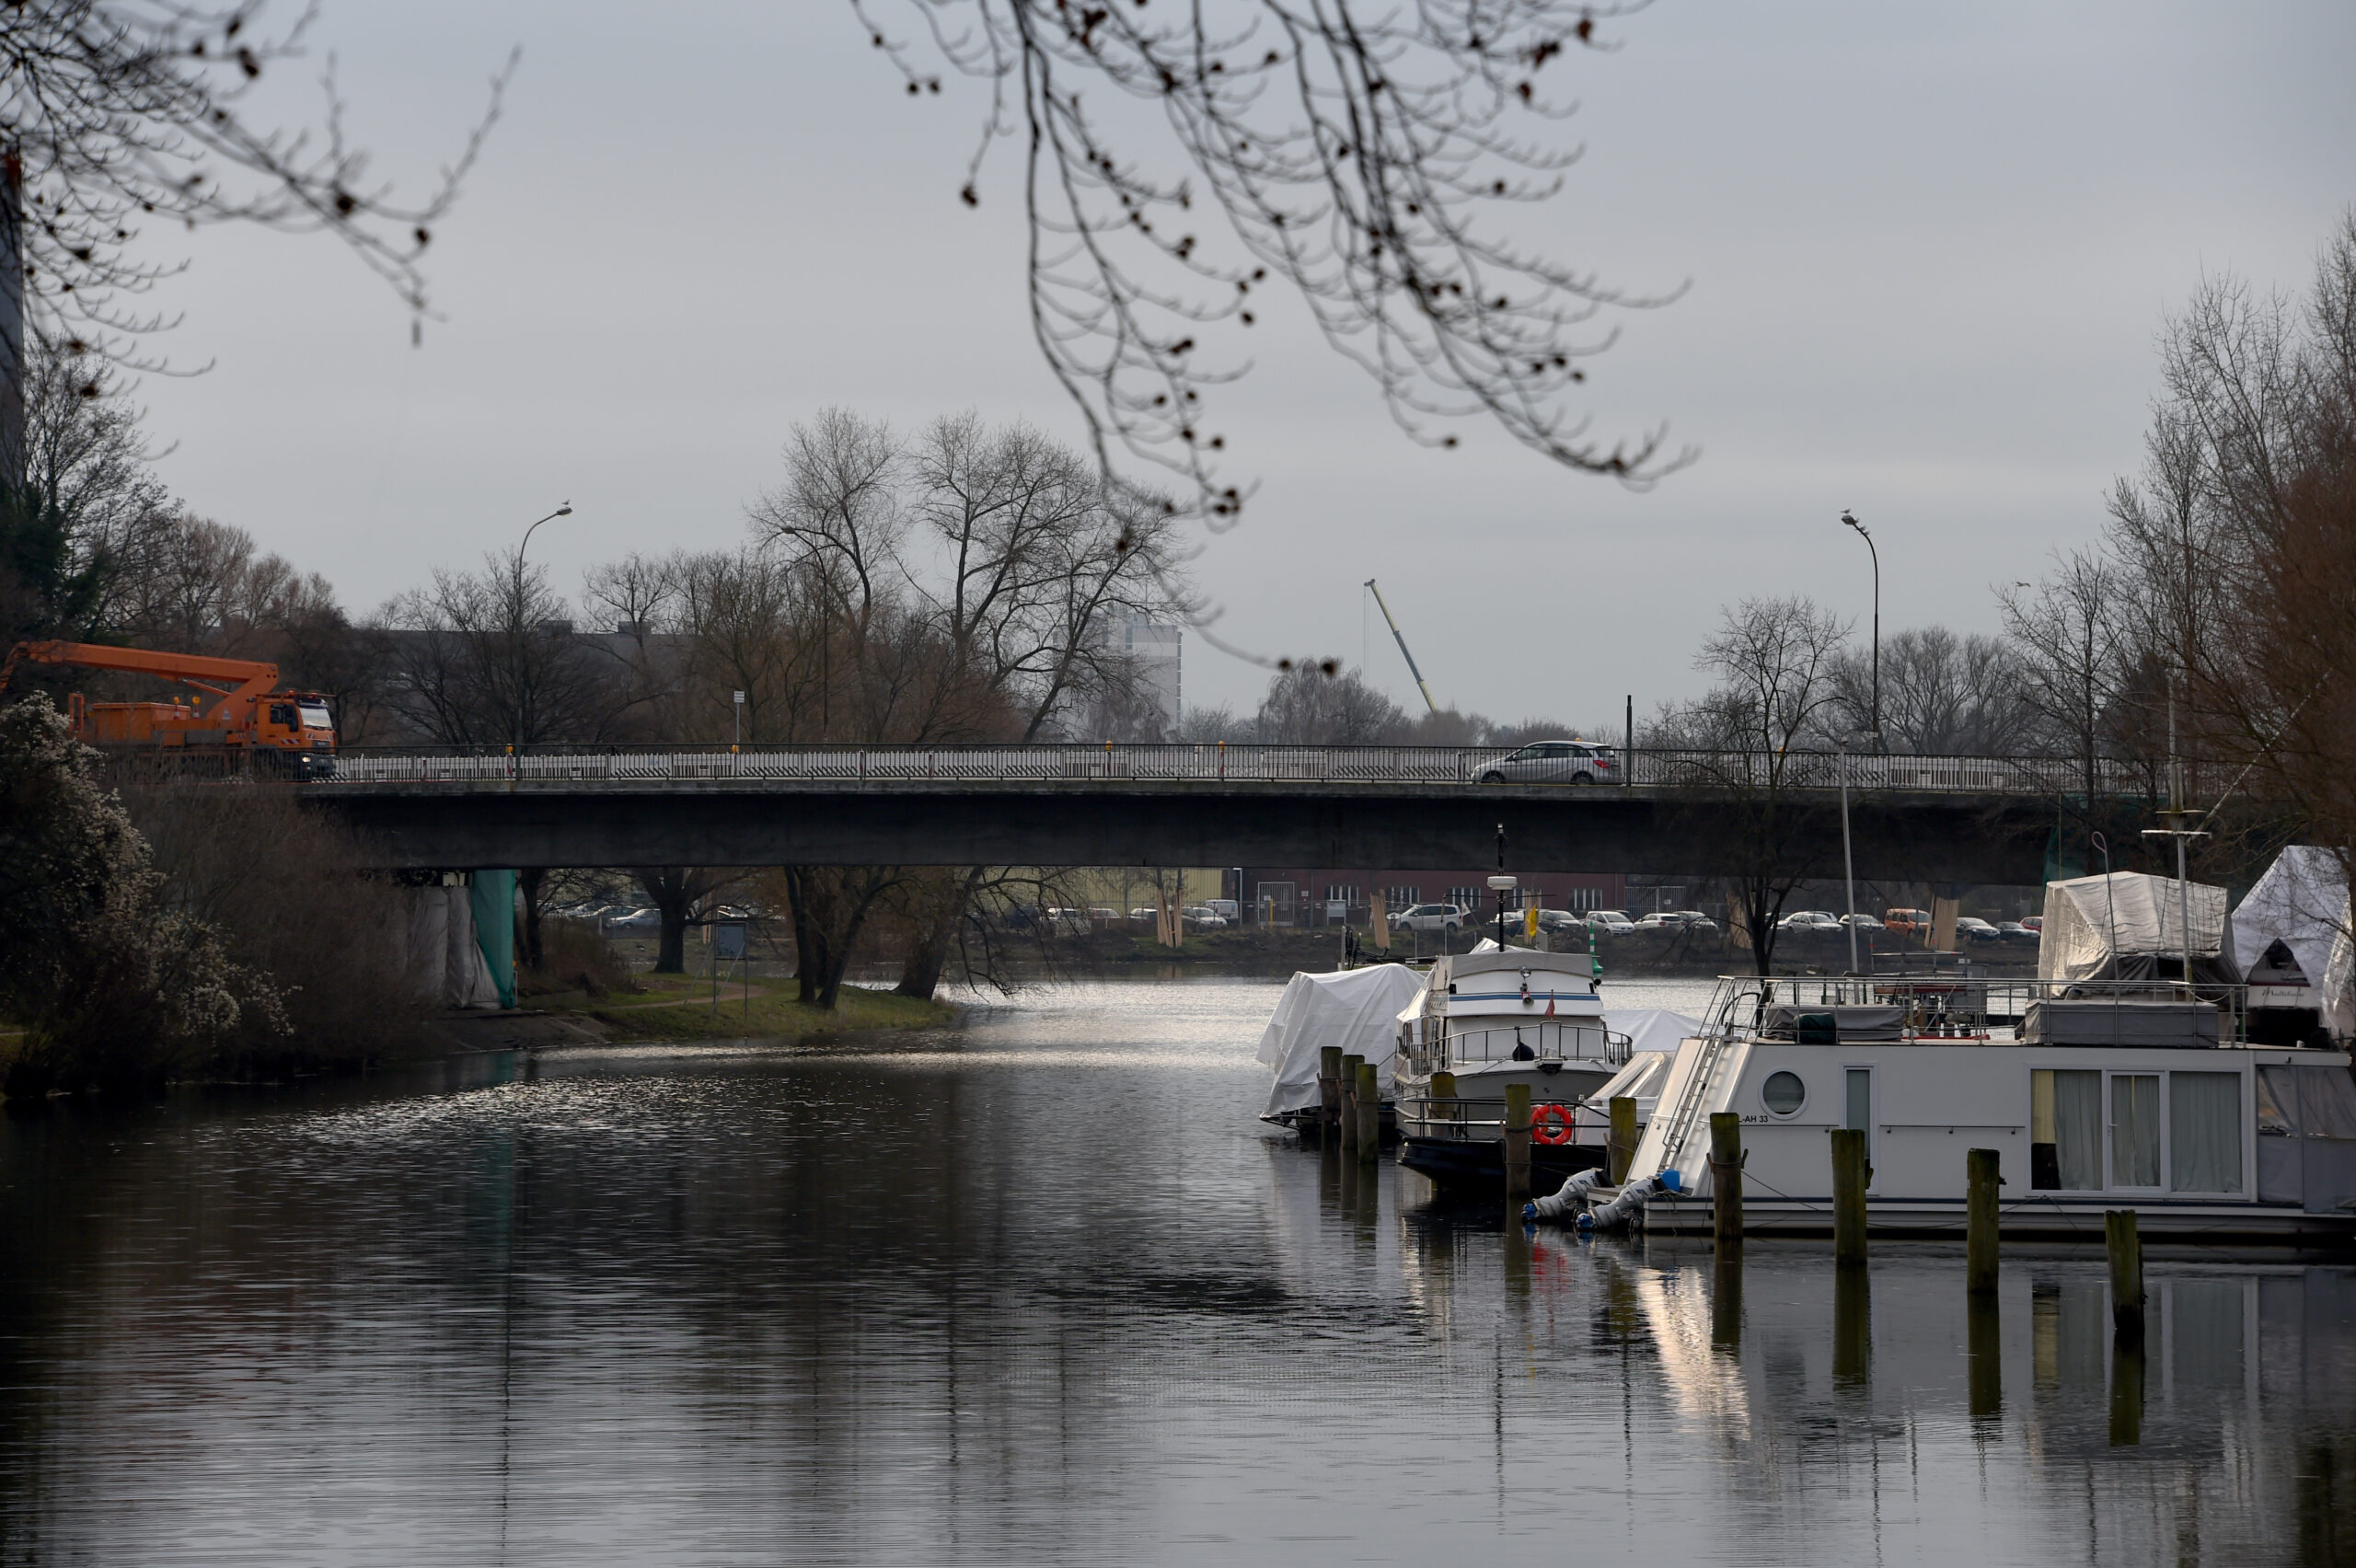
[(1850, 1178), (1443, 1099), (1982, 1174), (1516, 1143), (1369, 1114), (1726, 1181), (1619, 1149), (2126, 1250), (1329, 1091), (1348, 1110)]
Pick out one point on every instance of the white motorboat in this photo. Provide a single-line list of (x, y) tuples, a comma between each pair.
[(1491, 1018)]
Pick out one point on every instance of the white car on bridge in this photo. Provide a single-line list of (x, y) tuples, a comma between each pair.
[(1554, 762)]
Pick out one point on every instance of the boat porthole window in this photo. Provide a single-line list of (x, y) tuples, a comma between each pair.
[(1784, 1093)]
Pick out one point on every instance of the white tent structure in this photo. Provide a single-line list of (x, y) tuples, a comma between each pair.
[(2292, 934), (2127, 926), (1355, 1008)]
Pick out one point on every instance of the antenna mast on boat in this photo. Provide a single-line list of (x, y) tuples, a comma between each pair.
[(1421, 685)]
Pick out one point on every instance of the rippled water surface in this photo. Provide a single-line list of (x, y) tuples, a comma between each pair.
[(1039, 1289)]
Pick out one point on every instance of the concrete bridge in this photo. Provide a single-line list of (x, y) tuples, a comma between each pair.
[(1941, 819)]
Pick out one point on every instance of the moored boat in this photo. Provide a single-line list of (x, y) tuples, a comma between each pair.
[(1487, 1019), (2097, 1094)]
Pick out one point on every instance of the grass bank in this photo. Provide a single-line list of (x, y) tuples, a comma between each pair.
[(670, 1007)]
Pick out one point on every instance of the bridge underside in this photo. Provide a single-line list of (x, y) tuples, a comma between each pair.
[(1931, 837)]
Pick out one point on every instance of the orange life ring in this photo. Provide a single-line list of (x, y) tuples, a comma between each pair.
[(1550, 1124)]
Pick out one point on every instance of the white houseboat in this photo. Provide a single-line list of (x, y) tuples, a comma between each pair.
[(2099, 1099)]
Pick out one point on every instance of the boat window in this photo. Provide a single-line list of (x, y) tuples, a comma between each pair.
[(2327, 1102), (2278, 1104), (2065, 1130), (1783, 1094), (2135, 1129), (2205, 1132)]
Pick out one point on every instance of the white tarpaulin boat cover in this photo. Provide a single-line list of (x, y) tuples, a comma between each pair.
[(1355, 1008), (2302, 902), (2116, 926), (1651, 1029)]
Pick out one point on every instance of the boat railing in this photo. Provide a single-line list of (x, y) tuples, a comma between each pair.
[(1440, 1116), (1966, 1004), (1520, 1039)]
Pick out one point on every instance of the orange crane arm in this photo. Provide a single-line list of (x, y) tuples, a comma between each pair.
[(252, 680)]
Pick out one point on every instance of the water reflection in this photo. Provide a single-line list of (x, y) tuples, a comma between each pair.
[(1038, 1289)]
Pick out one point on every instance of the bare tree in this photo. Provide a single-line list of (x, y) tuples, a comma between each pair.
[(1774, 660), (1356, 152), (2069, 632), (1941, 694), (960, 588), (1309, 703), (490, 660), (1034, 558)]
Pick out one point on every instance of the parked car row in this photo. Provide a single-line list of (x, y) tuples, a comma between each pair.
[(1916, 923), (1447, 917)]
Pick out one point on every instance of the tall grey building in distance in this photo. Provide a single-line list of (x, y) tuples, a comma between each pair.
[(1144, 707)]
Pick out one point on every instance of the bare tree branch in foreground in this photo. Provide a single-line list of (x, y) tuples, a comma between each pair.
[(1353, 151), (117, 113)]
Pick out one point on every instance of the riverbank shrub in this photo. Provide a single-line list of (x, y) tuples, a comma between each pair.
[(575, 956), (114, 985), (288, 890)]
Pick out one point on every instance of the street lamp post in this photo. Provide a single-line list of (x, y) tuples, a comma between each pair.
[(516, 646), (1848, 860), (1850, 518)]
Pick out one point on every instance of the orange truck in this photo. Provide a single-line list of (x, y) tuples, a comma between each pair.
[(239, 716)]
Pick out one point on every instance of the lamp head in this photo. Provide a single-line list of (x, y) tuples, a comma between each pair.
[(564, 510), (1850, 518)]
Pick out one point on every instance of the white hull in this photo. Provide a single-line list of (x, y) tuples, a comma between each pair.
[(2048, 1219)]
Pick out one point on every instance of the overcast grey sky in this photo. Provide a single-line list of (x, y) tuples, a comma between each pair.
[(1929, 249)]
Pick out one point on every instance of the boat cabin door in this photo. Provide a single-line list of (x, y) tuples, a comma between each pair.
[(1857, 1111)]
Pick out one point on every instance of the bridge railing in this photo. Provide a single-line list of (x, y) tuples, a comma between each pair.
[(1141, 762), (1147, 763)]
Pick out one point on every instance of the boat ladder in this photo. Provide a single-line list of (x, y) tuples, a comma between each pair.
[(1696, 1093)]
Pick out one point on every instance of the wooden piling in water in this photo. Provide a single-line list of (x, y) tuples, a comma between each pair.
[(1852, 1329), (1329, 1090), (1981, 1171), (1850, 1178), (2126, 1250), (2127, 1386), (1516, 1142), (1984, 1377), (1726, 1180), (1347, 1111), (1620, 1150), (1369, 1114)]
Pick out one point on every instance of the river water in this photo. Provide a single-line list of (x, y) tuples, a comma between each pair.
[(1038, 1289)]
